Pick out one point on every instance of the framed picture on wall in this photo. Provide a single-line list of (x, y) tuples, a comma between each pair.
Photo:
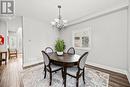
[(81, 39)]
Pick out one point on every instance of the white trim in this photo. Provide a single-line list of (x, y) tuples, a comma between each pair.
[(79, 48), (128, 76), (95, 15), (32, 63), (128, 41), (88, 29), (90, 63), (108, 68)]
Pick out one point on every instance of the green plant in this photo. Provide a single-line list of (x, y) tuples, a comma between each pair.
[(60, 45)]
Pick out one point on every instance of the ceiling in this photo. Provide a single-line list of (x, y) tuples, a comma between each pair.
[(46, 10)]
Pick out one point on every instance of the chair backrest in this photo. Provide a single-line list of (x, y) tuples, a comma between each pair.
[(82, 60), (49, 50), (71, 50), (45, 58), (12, 50)]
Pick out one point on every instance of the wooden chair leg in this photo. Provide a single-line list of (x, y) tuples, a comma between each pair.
[(5, 61), (77, 82), (62, 74), (9, 56), (83, 76), (45, 72), (0, 62), (50, 77)]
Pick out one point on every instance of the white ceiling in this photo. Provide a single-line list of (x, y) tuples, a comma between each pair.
[(46, 10)]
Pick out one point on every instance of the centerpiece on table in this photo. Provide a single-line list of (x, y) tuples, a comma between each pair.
[(60, 47)]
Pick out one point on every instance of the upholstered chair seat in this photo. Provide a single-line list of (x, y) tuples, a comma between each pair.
[(73, 70), (48, 66), (79, 70), (54, 67)]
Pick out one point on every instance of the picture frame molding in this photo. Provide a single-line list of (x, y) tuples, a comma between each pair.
[(88, 29)]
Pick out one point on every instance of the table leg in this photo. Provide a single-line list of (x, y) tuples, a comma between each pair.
[(64, 76), (0, 62), (0, 58), (5, 58)]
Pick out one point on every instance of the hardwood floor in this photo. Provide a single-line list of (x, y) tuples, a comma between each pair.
[(10, 75), (115, 79)]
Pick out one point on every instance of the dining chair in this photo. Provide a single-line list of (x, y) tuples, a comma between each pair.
[(48, 66), (12, 53), (79, 70), (71, 50), (48, 50)]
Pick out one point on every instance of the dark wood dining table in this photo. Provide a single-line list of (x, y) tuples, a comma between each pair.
[(66, 60)]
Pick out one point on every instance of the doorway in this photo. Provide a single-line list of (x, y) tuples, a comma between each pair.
[(15, 40), (11, 28)]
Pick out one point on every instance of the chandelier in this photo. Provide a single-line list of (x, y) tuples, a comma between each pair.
[(59, 23)]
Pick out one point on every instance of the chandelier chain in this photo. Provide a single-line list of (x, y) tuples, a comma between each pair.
[(59, 23)]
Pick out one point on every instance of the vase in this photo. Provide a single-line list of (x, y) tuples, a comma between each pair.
[(59, 53)]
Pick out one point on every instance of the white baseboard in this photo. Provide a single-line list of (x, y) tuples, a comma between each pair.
[(128, 76), (108, 68), (89, 63), (32, 63)]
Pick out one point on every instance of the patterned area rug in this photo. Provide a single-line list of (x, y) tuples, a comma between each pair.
[(34, 77)]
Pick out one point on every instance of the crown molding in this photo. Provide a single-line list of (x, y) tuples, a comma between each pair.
[(96, 15)]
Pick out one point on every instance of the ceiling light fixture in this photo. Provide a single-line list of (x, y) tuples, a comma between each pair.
[(59, 23)]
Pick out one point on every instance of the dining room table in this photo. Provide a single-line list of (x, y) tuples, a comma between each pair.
[(65, 60)]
